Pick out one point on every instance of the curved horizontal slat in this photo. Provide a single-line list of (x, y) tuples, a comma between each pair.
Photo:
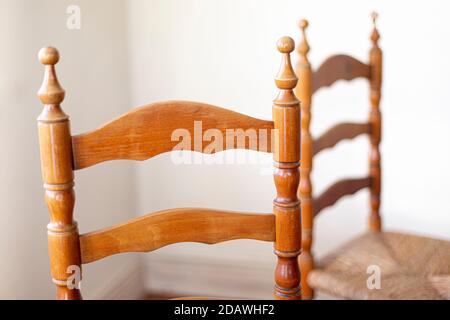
[(162, 228), (338, 190), (338, 67), (147, 131), (338, 133)]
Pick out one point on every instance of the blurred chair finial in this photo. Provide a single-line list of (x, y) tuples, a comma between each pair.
[(375, 36), (303, 48), (286, 78), (51, 92), (374, 16)]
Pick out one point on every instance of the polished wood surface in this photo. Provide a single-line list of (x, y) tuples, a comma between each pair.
[(336, 67), (304, 92), (160, 229), (56, 165), (339, 67), (375, 58), (286, 115), (338, 133), (148, 131), (336, 191), (145, 132)]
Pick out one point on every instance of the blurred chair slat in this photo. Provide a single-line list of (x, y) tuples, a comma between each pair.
[(338, 190), (339, 67), (338, 133)]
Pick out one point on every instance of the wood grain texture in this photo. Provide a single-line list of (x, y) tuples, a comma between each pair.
[(339, 67), (166, 227), (148, 131), (286, 206), (304, 93), (337, 190), (338, 133), (57, 175)]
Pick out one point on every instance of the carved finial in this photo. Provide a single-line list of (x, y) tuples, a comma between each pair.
[(286, 78), (51, 92), (48, 56), (303, 48), (303, 24), (375, 36)]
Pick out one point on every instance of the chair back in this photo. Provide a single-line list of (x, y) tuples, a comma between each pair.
[(164, 127)]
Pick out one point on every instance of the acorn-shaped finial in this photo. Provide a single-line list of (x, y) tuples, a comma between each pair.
[(51, 92), (286, 78)]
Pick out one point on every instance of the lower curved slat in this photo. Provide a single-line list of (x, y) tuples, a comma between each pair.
[(337, 191), (166, 227)]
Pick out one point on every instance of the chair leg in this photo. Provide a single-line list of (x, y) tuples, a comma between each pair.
[(306, 262)]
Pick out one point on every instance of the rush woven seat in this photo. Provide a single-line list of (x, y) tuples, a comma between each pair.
[(411, 267)]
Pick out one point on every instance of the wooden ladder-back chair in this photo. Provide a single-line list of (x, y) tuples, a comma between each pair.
[(411, 267), (143, 133)]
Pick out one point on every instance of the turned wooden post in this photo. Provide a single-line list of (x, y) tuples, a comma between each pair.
[(375, 61), (304, 92), (57, 174), (286, 116)]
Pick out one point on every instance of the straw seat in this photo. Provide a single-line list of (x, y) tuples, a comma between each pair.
[(411, 267)]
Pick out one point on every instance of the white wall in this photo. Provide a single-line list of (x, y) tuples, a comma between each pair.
[(224, 53), (93, 70)]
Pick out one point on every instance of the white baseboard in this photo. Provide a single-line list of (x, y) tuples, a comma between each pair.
[(126, 284), (178, 276)]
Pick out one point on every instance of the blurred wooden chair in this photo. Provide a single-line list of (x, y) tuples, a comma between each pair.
[(411, 267), (143, 133)]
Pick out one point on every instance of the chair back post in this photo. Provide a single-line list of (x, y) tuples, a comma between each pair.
[(375, 62), (286, 116), (57, 174), (303, 91)]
